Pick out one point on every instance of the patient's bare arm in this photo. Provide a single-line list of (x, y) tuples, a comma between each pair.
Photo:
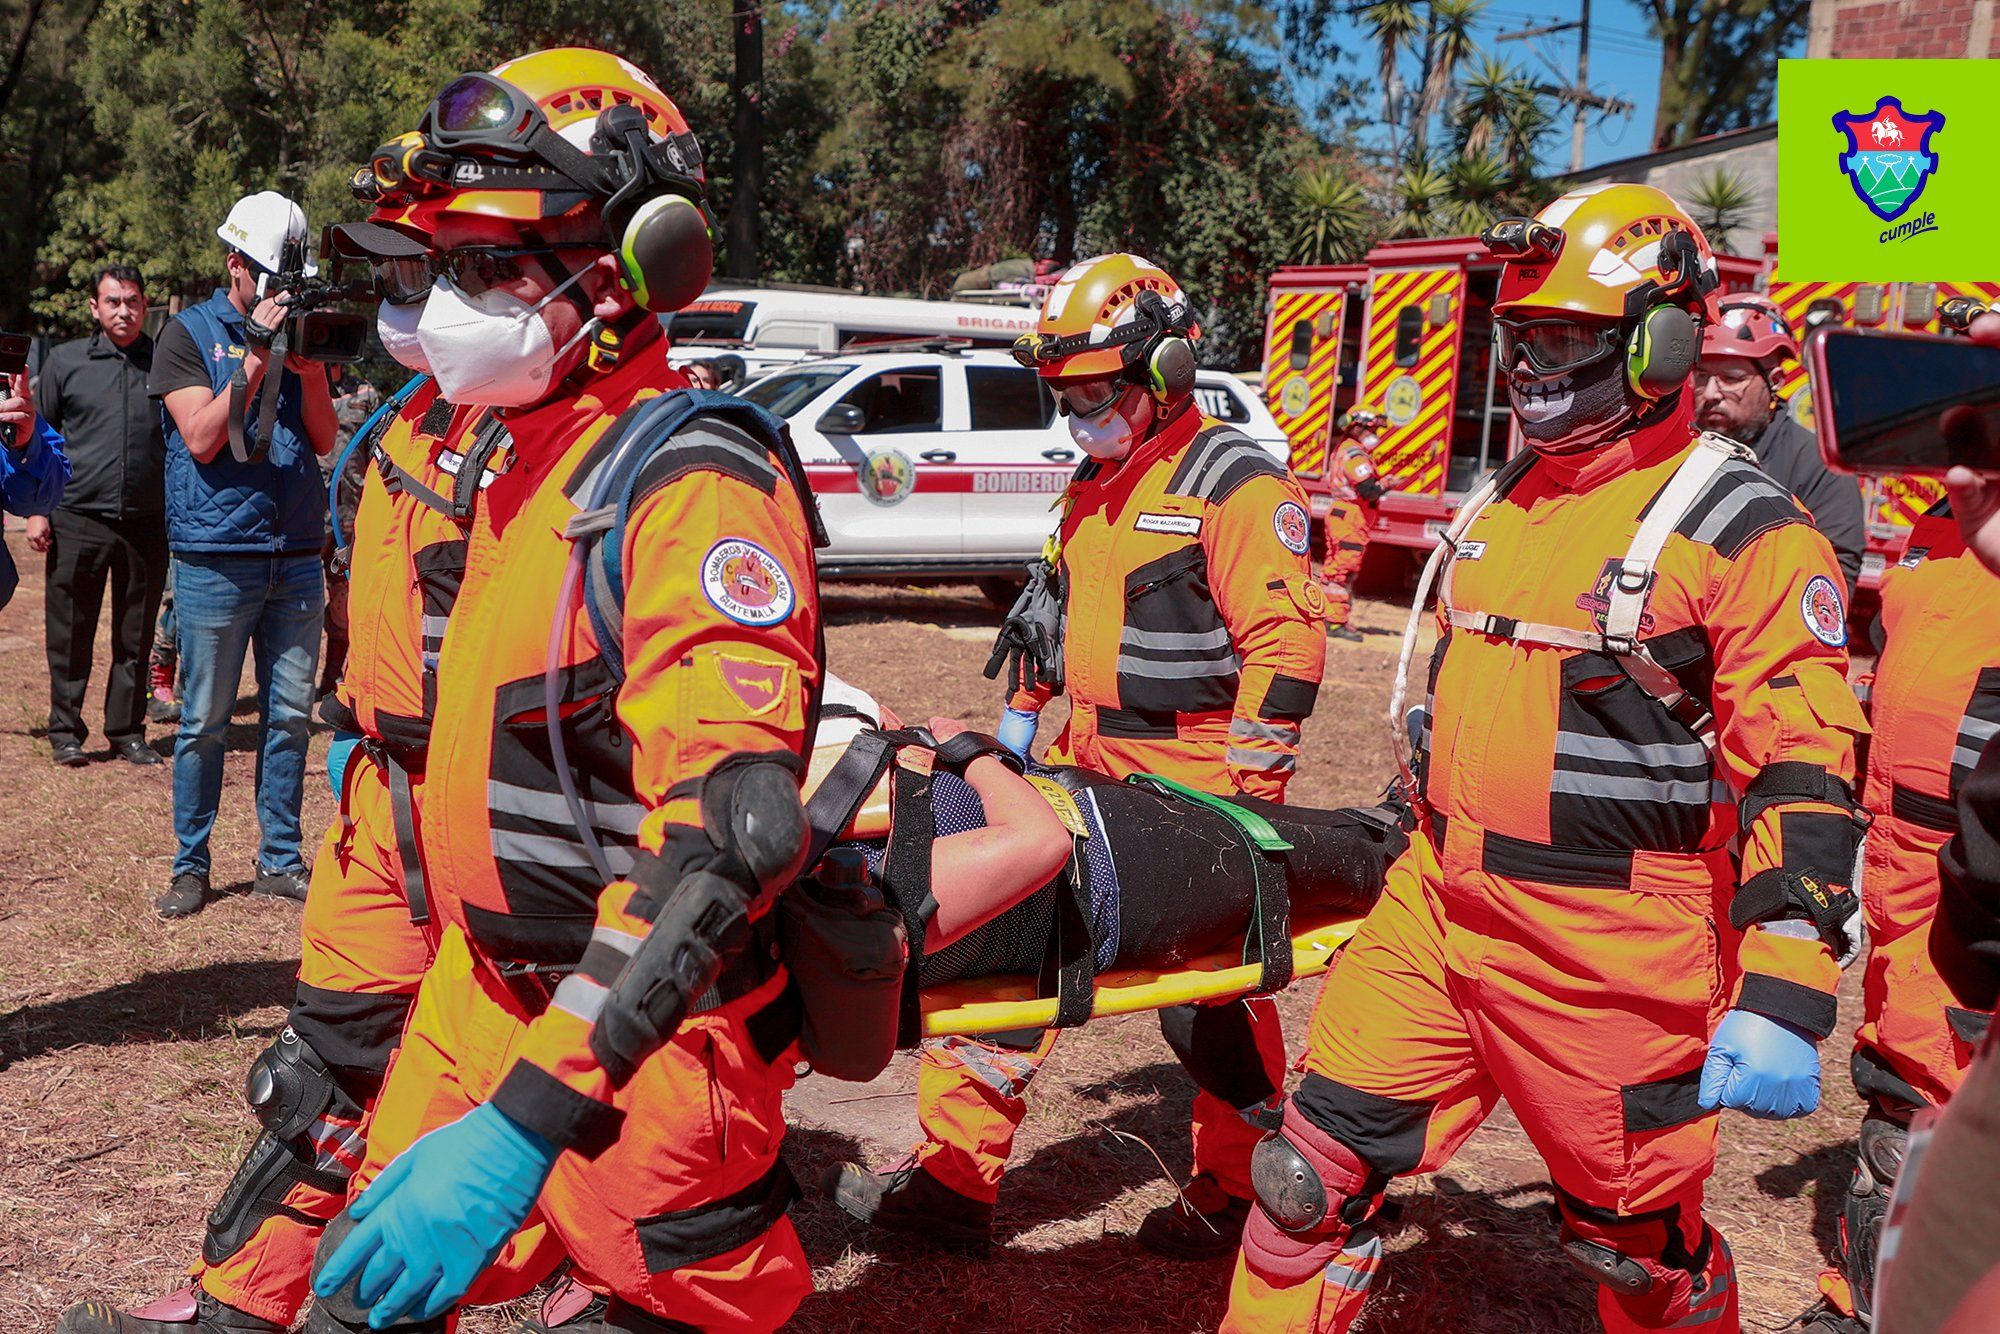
[(979, 874)]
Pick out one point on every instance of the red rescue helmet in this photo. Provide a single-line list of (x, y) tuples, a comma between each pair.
[(1750, 325)]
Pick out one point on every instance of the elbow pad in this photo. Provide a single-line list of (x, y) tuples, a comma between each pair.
[(1820, 875), (1370, 490), (701, 896)]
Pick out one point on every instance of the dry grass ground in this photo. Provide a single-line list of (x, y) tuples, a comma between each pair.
[(123, 1041)]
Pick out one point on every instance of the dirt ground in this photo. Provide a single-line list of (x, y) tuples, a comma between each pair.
[(123, 1042)]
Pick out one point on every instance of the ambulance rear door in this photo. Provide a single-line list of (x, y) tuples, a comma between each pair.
[(1410, 369), (1311, 346)]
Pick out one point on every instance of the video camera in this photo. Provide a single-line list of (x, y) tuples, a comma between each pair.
[(312, 331)]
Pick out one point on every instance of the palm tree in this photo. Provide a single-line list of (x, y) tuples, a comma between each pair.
[(1527, 123), (1448, 43), (1721, 202), (1484, 101), (1479, 185), (1333, 217), (1422, 197), (1393, 26)]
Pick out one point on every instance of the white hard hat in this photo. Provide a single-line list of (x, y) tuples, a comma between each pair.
[(260, 224)]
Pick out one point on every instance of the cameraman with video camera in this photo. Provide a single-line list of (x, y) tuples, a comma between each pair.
[(245, 518)]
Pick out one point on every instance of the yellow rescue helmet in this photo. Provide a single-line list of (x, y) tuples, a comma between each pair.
[(517, 143), (1609, 250), (1107, 314)]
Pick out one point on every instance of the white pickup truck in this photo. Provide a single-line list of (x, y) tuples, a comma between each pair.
[(945, 463)]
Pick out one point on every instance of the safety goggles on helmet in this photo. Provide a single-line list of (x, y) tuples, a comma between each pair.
[(1149, 318), (1554, 346), (475, 268), (1088, 398), (480, 111)]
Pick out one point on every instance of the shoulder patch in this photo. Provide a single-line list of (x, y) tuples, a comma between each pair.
[(1218, 461), (1293, 529), (1739, 505), (747, 583), (1823, 611)]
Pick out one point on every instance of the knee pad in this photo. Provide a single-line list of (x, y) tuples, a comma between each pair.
[(1656, 1267), (258, 1192), (1312, 1193), (289, 1086), (1884, 1144)]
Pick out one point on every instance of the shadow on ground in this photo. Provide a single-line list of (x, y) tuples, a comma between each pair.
[(188, 1005)]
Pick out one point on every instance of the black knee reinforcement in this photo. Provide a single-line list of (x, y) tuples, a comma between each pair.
[(1217, 1047), (289, 1088), (341, 1313)]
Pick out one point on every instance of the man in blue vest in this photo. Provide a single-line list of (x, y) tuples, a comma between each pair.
[(246, 513)]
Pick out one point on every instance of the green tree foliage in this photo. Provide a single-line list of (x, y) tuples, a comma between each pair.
[(1718, 62), (1333, 220), (1720, 202)]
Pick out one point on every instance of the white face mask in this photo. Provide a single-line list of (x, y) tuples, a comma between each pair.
[(396, 326), (492, 349), (1109, 435)]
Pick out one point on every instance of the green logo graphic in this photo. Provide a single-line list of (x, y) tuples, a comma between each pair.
[(1862, 194)]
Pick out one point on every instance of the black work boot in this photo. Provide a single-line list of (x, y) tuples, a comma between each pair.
[(188, 1311), (1204, 1222), (908, 1199), (600, 1316), (187, 896), (291, 884)]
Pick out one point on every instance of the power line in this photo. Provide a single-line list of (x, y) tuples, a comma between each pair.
[(1579, 93)]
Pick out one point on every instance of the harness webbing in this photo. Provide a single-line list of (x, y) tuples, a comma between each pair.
[(1268, 942)]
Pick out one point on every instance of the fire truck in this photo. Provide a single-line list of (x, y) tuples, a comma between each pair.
[(1409, 329)]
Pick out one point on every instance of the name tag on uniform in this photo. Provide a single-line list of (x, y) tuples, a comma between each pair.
[(1186, 525), (1471, 550), (450, 462)]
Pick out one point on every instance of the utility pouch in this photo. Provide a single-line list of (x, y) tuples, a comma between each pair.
[(847, 952)]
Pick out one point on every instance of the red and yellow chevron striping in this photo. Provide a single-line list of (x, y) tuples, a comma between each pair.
[(1418, 397), (1300, 396)]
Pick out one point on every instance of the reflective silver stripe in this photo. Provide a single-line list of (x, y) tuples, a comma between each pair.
[(1791, 930), (1691, 754), (622, 817), (623, 941), (556, 851), (1176, 671), (581, 997), (1978, 729), (1353, 1266), (1965, 757), (756, 459), (1218, 446), (1177, 641), (434, 626), (976, 1058), (1250, 729), (1621, 788), (1734, 504), (1228, 448), (1264, 760), (1720, 793)]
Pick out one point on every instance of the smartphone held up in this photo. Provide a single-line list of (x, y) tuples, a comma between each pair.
[(13, 365), (1891, 403)]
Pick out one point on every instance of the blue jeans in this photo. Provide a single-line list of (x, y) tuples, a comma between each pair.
[(226, 604)]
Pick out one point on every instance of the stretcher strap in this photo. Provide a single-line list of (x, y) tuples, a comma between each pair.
[(1268, 942), (906, 883), (415, 893), (846, 786), (1070, 968)]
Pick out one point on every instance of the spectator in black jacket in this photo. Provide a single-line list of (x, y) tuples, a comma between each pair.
[(1743, 357), (111, 526)]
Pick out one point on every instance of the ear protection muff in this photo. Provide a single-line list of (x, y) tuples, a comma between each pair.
[(660, 232), (1165, 363), (1662, 352)]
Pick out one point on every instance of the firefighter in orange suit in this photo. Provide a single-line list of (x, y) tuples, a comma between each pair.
[(1357, 486), (605, 1036), (1935, 703), (1642, 659), (1191, 637), (365, 940)]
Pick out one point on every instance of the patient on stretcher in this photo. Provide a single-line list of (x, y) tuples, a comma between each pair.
[(1156, 879)]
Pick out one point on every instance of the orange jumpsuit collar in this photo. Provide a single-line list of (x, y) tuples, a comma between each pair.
[(1636, 449), (551, 424)]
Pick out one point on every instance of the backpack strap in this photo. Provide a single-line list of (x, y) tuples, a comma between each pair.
[(366, 437), (607, 495)]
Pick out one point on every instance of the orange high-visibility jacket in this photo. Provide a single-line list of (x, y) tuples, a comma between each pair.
[(721, 633), (405, 561), (1936, 698), (1355, 476), (1190, 614), (1571, 768)]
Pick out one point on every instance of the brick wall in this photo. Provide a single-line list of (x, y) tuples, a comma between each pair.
[(1907, 29)]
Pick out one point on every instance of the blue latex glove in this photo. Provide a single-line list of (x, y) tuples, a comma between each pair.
[(1017, 730), (438, 1215), (338, 752), (1762, 1066)]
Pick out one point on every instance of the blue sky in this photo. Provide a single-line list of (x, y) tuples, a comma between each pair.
[(1624, 62)]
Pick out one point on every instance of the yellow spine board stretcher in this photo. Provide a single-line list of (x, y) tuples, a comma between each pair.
[(974, 1006), (1002, 1003)]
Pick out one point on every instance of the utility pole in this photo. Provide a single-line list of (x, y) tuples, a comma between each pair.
[(746, 159), (1577, 94)]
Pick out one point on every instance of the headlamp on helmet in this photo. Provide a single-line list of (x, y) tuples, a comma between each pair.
[(1523, 238)]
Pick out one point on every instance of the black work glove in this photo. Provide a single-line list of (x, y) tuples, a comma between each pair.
[(1029, 644)]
